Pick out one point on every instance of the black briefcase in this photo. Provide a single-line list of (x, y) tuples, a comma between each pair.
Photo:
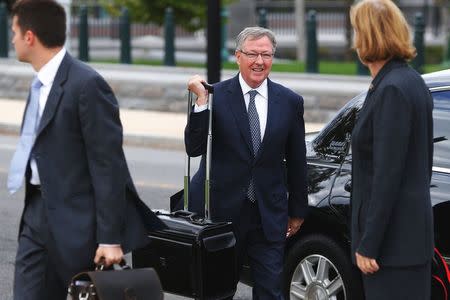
[(193, 256), (123, 284)]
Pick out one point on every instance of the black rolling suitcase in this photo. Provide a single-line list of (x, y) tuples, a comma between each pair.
[(193, 256)]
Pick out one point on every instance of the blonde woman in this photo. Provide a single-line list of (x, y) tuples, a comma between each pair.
[(392, 146)]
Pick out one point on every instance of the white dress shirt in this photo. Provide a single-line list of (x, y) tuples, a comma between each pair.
[(261, 102), (46, 76)]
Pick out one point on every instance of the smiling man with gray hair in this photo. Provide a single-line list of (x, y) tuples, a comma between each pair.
[(257, 125)]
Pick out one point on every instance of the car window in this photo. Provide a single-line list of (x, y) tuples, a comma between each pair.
[(441, 117), (332, 142)]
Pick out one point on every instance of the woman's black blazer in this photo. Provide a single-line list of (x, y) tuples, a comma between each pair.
[(392, 149)]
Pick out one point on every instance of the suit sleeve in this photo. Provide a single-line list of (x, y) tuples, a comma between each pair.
[(102, 135), (196, 132), (296, 164), (391, 131)]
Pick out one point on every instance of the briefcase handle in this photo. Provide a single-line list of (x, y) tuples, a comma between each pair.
[(142, 283), (187, 166), (101, 265)]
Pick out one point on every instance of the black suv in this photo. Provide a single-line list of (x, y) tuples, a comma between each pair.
[(318, 264)]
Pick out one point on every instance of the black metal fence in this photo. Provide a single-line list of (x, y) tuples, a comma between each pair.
[(332, 19), (101, 24), (332, 15)]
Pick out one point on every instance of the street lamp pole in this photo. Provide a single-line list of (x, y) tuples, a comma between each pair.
[(300, 29), (67, 5), (214, 62)]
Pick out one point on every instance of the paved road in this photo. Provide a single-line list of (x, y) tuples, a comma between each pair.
[(157, 174)]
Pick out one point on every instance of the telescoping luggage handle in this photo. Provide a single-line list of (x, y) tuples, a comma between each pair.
[(187, 164)]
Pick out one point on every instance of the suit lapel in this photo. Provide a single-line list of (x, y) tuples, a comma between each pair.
[(237, 105), (55, 94), (273, 111)]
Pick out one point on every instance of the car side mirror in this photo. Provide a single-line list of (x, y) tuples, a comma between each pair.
[(348, 186)]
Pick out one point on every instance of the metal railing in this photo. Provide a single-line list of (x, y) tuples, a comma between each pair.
[(109, 28), (332, 16), (101, 24)]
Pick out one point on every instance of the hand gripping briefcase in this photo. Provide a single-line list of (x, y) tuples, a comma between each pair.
[(193, 256), (123, 284)]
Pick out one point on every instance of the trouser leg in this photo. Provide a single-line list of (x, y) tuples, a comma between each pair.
[(31, 258), (266, 264), (264, 257), (30, 267)]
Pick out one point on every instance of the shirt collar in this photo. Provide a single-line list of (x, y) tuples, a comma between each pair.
[(261, 89), (48, 72)]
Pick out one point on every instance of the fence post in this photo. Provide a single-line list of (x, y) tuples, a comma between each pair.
[(419, 28), (311, 51), (262, 18), (169, 38), (447, 56), (224, 17), (4, 40), (125, 40), (83, 36)]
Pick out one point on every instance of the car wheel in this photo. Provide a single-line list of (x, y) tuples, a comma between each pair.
[(318, 268)]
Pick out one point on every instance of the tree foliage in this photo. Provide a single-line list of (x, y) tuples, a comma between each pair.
[(191, 15)]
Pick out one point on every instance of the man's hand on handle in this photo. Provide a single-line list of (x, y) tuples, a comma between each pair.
[(110, 255), (195, 85)]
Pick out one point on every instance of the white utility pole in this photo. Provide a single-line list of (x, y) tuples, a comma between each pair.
[(300, 29), (67, 4)]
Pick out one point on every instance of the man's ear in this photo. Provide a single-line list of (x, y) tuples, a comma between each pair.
[(30, 37), (237, 54)]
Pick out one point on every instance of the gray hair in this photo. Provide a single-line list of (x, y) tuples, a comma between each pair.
[(255, 33)]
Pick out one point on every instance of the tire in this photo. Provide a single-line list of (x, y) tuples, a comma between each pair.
[(338, 280)]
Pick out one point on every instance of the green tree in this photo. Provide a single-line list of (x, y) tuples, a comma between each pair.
[(191, 15)]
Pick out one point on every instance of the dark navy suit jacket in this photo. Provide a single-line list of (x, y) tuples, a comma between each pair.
[(392, 146), (233, 162), (85, 183)]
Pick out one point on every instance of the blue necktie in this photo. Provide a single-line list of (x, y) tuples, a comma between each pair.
[(28, 135), (256, 137)]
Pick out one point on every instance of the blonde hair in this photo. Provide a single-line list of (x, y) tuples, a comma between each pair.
[(381, 31)]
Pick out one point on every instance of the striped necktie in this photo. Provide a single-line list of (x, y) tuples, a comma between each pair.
[(256, 138)]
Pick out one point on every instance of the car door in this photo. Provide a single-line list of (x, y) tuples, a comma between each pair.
[(440, 181), (333, 154)]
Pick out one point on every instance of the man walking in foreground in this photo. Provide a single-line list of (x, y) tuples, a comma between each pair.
[(80, 202)]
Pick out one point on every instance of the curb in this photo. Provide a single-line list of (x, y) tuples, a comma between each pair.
[(153, 142), (8, 129), (128, 139)]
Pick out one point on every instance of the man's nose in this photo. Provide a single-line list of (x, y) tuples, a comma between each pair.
[(259, 58)]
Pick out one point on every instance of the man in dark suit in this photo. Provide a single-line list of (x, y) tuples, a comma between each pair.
[(257, 124), (80, 202)]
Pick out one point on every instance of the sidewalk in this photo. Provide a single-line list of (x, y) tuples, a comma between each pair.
[(162, 88), (140, 127)]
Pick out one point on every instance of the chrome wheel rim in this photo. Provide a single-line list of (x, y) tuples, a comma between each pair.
[(316, 278)]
